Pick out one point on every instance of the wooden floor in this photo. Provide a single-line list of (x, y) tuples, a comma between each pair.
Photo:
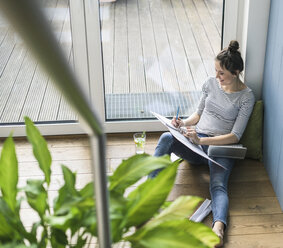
[(255, 219), (149, 46)]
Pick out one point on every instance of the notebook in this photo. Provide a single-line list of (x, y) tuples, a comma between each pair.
[(236, 151)]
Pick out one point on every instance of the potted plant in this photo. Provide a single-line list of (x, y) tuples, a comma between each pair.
[(142, 218)]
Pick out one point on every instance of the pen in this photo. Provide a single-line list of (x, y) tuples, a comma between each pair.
[(177, 112)]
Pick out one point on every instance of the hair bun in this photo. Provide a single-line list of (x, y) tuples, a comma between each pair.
[(233, 46)]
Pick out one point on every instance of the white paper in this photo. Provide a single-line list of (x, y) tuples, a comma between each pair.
[(202, 211), (184, 140)]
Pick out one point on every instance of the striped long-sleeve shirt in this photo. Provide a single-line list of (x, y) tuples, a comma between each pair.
[(221, 112)]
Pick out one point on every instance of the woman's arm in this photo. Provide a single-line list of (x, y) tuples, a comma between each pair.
[(190, 121), (224, 139)]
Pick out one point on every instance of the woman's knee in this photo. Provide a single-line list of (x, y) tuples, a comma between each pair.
[(218, 186), (166, 138), (164, 145)]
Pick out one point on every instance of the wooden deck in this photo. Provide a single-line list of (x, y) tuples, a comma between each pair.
[(255, 218), (24, 88), (159, 45), (149, 46)]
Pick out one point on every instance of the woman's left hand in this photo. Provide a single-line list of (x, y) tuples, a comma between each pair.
[(192, 135)]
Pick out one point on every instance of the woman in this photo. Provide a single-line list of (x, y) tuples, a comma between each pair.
[(221, 118)]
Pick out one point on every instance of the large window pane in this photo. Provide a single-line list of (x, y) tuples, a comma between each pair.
[(26, 90), (157, 54)]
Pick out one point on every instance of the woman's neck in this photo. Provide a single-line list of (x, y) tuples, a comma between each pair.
[(236, 86)]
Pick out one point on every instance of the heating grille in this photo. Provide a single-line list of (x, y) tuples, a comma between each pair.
[(138, 105)]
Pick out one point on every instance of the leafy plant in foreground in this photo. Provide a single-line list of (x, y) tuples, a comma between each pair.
[(71, 221)]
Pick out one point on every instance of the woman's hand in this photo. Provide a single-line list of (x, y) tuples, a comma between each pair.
[(192, 135), (177, 122)]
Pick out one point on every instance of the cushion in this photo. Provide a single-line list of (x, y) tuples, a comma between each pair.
[(252, 137)]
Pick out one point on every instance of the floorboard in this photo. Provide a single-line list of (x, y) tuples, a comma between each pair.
[(121, 53), (136, 68), (26, 89), (164, 53), (182, 69), (200, 36), (151, 61)]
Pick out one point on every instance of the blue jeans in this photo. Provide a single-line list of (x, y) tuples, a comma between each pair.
[(218, 176)]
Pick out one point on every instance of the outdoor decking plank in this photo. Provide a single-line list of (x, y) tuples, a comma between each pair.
[(65, 110), (167, 67), (136, 65), (121, 56), (207, 53), (10, 76), (6, 48), (107, 36), (215, 10), (190, 44), (209, 26), (25, 98), (150, 57), (35, 95), (38, 86), (19, 91), (183, 71), (51, 102)]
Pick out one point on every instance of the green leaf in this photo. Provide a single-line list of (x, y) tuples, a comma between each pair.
[(166, 236), (134, 168), (89, 221), (36, 196), (144, 201), (117, 215), (80, 242), (34, 228), (175, 234), (202, 233), (60, 222), (40, 149), (70, 180), (9, 173), (6, 231), (14, 221), (181, 208), (58, 238), (68, 195), (17, 245), (87, 190)]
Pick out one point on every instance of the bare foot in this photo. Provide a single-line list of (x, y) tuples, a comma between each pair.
[(218, 229)]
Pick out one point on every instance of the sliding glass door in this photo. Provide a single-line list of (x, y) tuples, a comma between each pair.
[(26, 90), (131, 56), (156, 56)]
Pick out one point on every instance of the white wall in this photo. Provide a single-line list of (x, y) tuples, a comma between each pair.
[(250, 29)]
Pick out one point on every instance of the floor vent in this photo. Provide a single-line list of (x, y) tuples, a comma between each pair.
[(138, 105)]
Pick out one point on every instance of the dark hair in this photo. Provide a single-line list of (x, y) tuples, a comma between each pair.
[(230, 58)]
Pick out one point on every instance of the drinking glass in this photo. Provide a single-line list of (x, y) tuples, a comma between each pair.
[(139, 139)]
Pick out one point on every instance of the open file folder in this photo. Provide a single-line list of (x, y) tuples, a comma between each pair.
[(202, 211)]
